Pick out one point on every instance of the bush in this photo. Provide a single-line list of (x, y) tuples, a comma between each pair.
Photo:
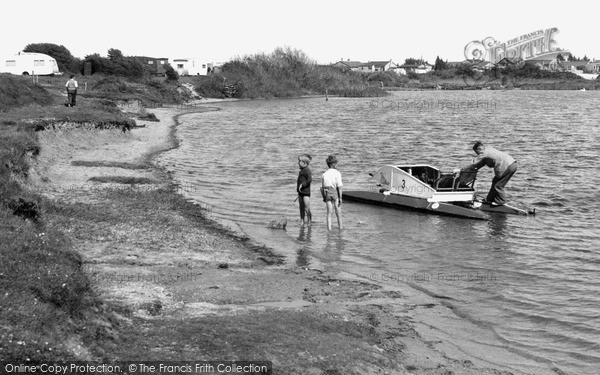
[(284, 73), (388, 78), (171, 74), (117, 65), (211, 86)]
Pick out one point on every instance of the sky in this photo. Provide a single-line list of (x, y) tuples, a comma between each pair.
[(326, 31)]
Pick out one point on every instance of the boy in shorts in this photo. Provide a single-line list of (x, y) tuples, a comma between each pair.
[(331, 189)]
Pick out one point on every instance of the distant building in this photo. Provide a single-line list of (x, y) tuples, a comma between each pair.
[(347, 65), (190, 66), (375, 66), (29, 63), (368, 67), (573, 66), (215, 67), (593, 66), (544, 64), (156, 66), (509, 63), (398, 70), (416, 68)]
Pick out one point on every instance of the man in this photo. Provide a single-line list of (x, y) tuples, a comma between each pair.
[(71, 91), (504, 167)]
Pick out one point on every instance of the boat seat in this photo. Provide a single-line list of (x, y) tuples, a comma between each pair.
[(452, 182), (466, 180), (445, 182)]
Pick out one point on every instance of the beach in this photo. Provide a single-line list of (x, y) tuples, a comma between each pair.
[(181, 287)]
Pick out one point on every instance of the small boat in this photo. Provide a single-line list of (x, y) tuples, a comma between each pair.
[(426, 188)]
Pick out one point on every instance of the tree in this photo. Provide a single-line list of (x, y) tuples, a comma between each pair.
[(64, 59), (560, 57), (100, 64), (439, 64), (585, 58), (413, 61), (115, 55), (171, 74)]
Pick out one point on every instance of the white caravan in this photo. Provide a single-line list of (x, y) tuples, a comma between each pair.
[(29, 63), (189, 67)]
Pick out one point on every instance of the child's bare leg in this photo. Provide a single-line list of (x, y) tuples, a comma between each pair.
[(302, 210), (306, 200), (329, 212), (338, 213)]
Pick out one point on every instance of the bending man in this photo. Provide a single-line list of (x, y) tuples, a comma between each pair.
[(504, 167)]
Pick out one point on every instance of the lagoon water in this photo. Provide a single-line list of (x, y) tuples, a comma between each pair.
[(531, 282)]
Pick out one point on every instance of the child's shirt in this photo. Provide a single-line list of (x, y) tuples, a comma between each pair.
[(332, 178), (304, 180)]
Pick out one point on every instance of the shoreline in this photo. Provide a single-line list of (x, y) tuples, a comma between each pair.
[(230, 278)]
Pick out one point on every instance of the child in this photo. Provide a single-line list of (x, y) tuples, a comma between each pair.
[(303, 188), (332, 191)]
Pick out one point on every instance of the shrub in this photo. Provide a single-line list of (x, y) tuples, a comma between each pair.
[(283, 73), (388, 78), (171, 74), (117, 64)]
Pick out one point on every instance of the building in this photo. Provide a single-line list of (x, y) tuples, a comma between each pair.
[(347, 65), (375, 66), (190, 66), (593, 66), (546, 64), (416, 68), (156, 66), (29, 63), (574, 66), (509, 63), (368, 67)]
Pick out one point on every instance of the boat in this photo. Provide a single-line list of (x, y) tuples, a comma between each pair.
[(426, 188)]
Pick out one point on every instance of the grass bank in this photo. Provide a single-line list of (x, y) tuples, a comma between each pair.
[(48, 309)]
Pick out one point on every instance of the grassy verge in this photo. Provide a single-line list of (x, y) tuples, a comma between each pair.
[(45, 300), (48, 309)]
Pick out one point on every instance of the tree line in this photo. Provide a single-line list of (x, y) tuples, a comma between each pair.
[(114, 64)]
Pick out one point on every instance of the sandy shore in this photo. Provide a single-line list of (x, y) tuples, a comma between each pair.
[(193, 290)]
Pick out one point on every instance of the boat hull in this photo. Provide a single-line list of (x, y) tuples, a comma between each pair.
[(401, 201)]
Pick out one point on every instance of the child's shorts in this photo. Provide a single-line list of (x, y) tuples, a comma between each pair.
[(329, 194)]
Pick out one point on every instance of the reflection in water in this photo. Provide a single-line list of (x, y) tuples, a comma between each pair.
[(334, 246), (303, 258), (497, 226)]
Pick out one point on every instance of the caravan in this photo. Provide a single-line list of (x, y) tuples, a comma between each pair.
[(29, 63), (190, 67)]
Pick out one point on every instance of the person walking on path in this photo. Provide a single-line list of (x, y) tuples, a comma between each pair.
[(71, 91)]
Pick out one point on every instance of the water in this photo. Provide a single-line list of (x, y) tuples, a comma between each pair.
[(533, 282)]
